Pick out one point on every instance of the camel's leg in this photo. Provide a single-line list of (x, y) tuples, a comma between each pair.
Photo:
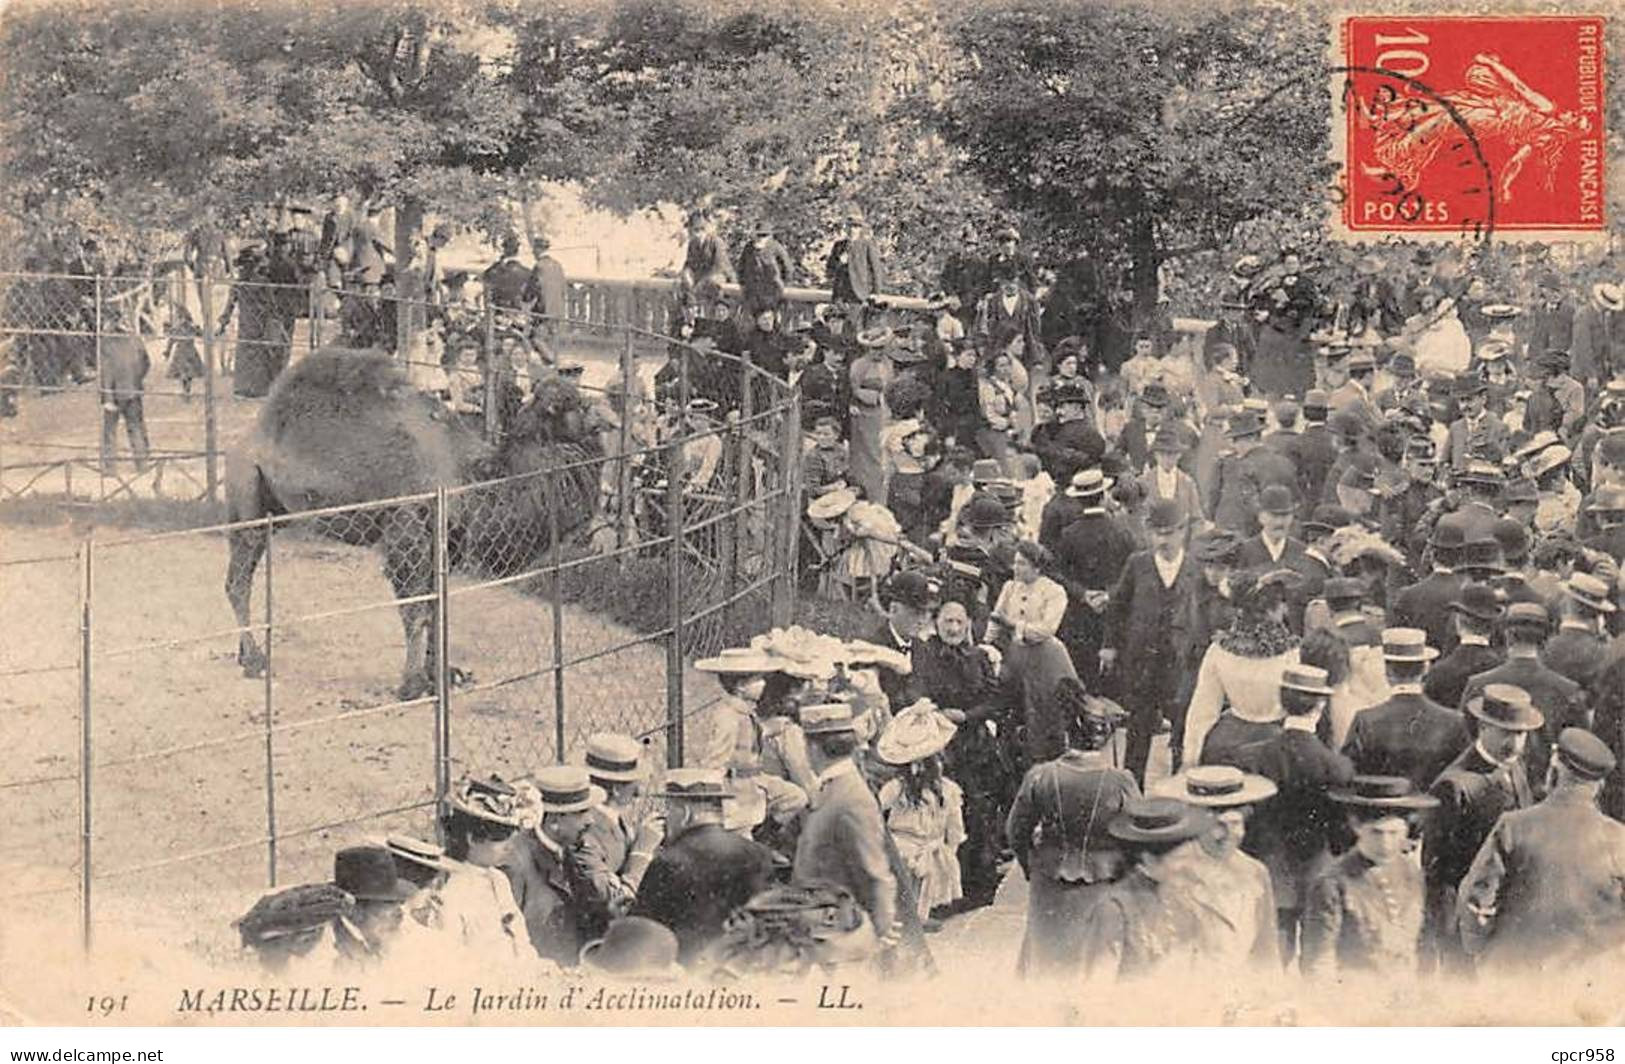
[(247, 546), (409, 564)]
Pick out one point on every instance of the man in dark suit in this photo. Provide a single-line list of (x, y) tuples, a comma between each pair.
[(911, 602), (1477, 611), (1409, 735), (504, 282), (1234, 497), (854, 268), (545, 868), (1544, 890), (1561, 701), (702, 872), (844, 839), (1090, 554), (1426, 603), (1293, 833), (1070, 442), (1150, 618), (1487, 779), (1275, 548), (764, 271), (1345, 601), (1316, 452), (1578, 650), (1150, 411), (1010, 313)]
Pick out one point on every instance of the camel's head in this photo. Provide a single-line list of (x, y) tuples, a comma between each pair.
[(556, 412)]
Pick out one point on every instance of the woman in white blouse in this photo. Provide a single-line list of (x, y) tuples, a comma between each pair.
[(1023, 627), (1000, 403)]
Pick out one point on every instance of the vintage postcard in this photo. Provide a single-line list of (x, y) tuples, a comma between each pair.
[(740, 514)]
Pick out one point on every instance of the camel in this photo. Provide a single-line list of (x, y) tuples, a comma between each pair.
[(342, 427)]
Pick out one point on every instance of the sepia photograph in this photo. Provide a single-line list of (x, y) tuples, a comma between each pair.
[(778, 513)]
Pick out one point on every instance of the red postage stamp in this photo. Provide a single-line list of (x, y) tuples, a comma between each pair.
[(1464, 126)]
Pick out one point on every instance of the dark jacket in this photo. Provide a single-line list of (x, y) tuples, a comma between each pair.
[(901, 690), (1232, 497), (1448, 678), (1426, 605), (1472, 795), (1296, 829), (1152, 627), (763, 274), (1575, 654), (854, 269), (1090, 555), (698, 879), (1066, 447), (557, 911), (1315, 456), (1560, 700), (1057, 824), (1408, 735)]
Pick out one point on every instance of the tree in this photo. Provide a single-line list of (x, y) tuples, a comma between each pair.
[(1143, 133)]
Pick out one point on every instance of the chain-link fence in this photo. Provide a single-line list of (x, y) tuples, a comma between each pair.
[(181, 749)]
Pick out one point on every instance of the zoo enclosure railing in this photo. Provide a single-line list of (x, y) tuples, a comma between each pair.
[(149, 768)]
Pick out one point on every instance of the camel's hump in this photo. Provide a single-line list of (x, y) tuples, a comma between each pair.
[(334, 382)]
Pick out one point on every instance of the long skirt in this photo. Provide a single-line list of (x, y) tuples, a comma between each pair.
[(866, 465), (1038, 667), (1057, 912)]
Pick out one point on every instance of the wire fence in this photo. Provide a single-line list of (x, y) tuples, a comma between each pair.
[(176, 747)]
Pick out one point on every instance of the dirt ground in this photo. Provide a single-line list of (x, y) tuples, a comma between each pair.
[(178, 734)]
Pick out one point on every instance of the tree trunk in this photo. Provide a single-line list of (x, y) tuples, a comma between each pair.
[(1146, 258)]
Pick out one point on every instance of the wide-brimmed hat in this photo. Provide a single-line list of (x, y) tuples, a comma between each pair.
[(1500, 311), (1166, 515), (1277, 499), (1585, 754), (633, 946), (827, 717), (418, 852), (878, 336), (1611, 296), (1309, 679), (1494, 350), (1477, 600), (1086, 482), (1545, 461), (1247, 266), (1506, 706), (695, 784), (617, 758), (1247, 423), (1590, 592), (368, 873), (1214, 787), (492, 800), (917, 732), (739, 660), (832, 504), (1165, 821), (1382, 792), (1406, 644), (566, 789)]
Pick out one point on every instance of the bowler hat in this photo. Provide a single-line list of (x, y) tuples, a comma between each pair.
[(1477, 600), (1342, 589), (1521, 489), (1506, 706), (1590, 592), (1382, 792), (1406, 644), (1510, 535), (617, 758), (984, 511), (1165, 515), (1214, 786), (567, 789), (1329, 518), (1586, 755), (1216, 545), (1306, 678), (1087, 482), (368, 873), (826, 717), (1153, 821), (633, 946), (1481, 555), (695, 784), (1247, 423), (1168, 440), (1468, 384), (914, 589), (1277, 499)]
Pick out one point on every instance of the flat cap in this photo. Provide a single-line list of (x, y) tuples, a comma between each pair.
[(1585, 754)]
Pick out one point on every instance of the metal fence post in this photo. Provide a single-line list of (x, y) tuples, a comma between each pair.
[(623, 470), (270, 750), (86, 576), (492, 426), (442, 646), (742, 482), (785, 582), (318, 312), (101, 395), (555, 554), (211, 449), (675, 476)]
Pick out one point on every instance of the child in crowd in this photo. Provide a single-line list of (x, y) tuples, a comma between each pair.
[(924, 809), (825, 463)]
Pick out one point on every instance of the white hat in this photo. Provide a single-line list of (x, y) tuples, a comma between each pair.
[(916, 733)]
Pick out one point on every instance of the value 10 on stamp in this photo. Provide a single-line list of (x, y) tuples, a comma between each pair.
[(1463, 126)]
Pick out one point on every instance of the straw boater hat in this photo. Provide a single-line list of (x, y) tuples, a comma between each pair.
[(617, 758), (1611, 296), (1589, 591), (566, 789), (1087, 482), (832, 504), (1164, 821), (696, 785), (916, 733), (1507, 707), (1406, 644), (1383, 792), (1306, 678), (1500, 311), (879, 336), (741, 660), (416, 851), (1214, 787)]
